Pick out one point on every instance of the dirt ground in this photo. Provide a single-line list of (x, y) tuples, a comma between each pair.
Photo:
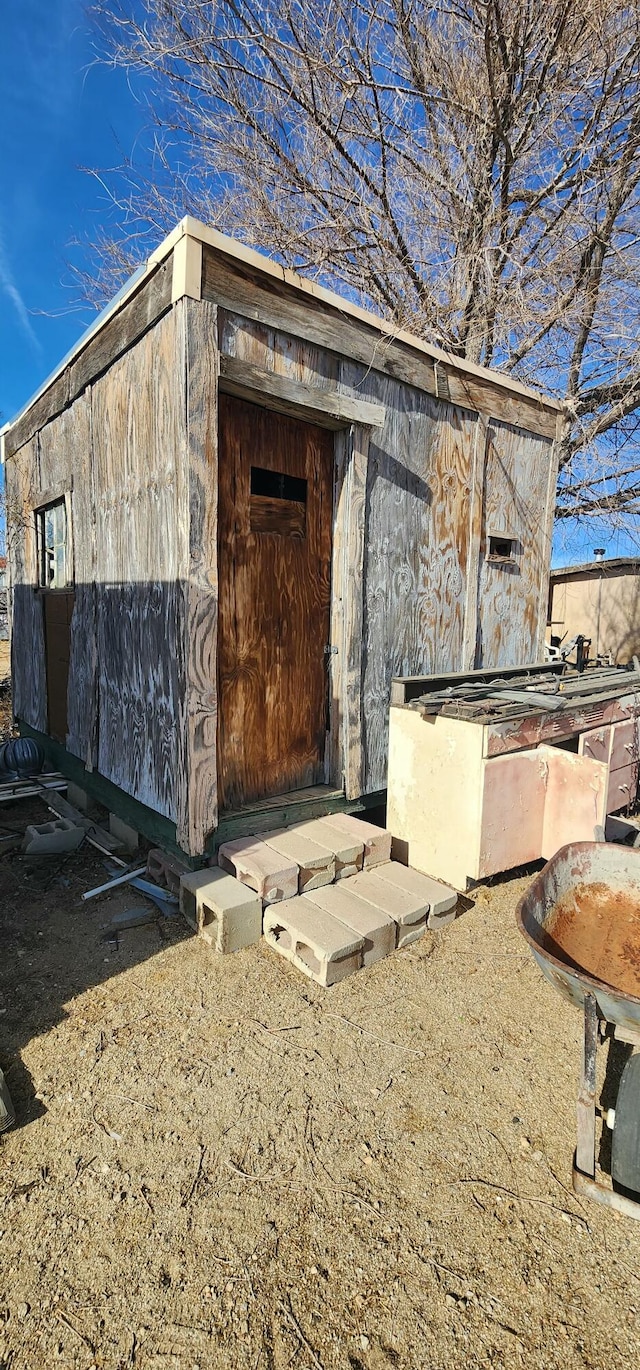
[(217, 1163)]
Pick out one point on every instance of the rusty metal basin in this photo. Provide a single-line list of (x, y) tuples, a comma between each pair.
[(581, 918)]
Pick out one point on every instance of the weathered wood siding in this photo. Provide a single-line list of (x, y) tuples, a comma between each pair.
[(512, 598), (66, 466), (416, 517), (118, 455), (198, 810), (27, 628), (407, 535), (141, 530)]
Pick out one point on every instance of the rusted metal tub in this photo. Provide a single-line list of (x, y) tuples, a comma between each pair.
[(581, 918), (602, 880)]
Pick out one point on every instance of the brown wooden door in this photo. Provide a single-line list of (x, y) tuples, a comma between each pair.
[(274, 520), (58, 612)]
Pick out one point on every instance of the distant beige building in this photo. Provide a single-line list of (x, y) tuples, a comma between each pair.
[(601, 600)]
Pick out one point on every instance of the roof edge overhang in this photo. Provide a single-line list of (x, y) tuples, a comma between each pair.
[(234, 250)]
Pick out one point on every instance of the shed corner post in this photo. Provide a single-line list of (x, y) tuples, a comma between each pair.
[(198, 809), (547, 535), (352, 590), (476, 502)]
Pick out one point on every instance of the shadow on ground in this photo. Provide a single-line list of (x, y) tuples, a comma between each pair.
[(53, 946)]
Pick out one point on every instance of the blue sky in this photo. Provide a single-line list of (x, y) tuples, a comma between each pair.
[(63, 112), (60, 112)]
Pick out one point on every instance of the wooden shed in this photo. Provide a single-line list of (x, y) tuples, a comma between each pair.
[(236, 510)]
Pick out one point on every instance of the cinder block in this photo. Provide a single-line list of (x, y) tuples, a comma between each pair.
[(45, 839), (224, 912), (620, 830), (376, 841), (317, 944), (376, 927), (317, 865), (272, 876), (165, 869), (129, 838), (409, 911), (348, 850), (79, 798), (441, 899)]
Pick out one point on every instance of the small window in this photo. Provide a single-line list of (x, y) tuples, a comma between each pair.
[(53, 554), (278, 503), (501, 549)]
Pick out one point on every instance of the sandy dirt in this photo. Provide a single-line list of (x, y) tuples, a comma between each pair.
[(217, 1163)]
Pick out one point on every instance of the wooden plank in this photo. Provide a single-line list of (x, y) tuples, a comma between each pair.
[(141, 540), (55, 398), (243, 289), (353, 617), (586, 1106), (274, 609), (329, 408), (476, 488), (198, 807), (123, 329), (341, 573), (546, 536), (27, 629), (406, 688), (59, 805)]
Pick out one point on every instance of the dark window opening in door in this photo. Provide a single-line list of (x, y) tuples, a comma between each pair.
[(278, 503)]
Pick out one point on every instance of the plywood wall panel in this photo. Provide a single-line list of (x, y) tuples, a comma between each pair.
[(198, 796), (417, 517), (138, 416), (512, 597), (65, 465)]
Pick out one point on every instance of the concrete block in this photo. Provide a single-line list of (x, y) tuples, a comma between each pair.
[(376, 841), (348, 850), (408, 910), (261, 867), (317, 865), (166, 870), (317, 944), (376, 927), (129, 838), (45, 839), (224, 912), (620, 830), (79, 798), (441, 899)]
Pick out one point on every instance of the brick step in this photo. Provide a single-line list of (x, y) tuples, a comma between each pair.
[(325, 894), (289, 861), (386, 908)]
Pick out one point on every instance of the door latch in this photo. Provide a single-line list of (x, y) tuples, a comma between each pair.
[(331, 651)]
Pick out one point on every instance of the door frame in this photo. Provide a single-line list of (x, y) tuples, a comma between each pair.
[(343, 757)]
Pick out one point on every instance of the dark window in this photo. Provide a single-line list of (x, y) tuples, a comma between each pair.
[(54, 571), (278, 503), (501, 549), (278, 485)]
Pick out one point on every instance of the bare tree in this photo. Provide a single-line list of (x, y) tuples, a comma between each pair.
[(467, 168)]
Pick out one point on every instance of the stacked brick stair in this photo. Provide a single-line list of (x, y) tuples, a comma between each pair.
[(325, 893)]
